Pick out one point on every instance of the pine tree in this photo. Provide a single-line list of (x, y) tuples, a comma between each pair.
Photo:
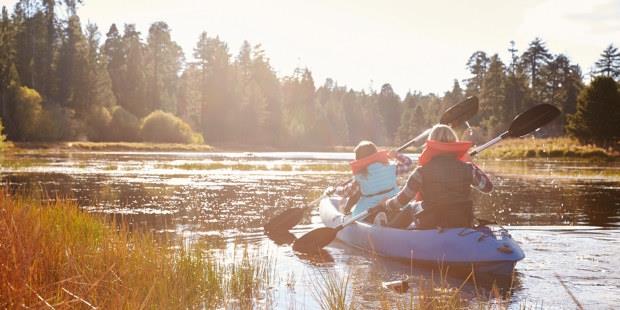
[(477, 65), (493, 97), (114, 56), (164, 60), (73, 68), (532, 60), (609, 63), (598, 112), (390, 111), (132, 94)]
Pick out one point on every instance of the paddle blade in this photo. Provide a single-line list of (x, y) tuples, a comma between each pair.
[(315, 240), (285, 220), (532, 119), (460, 112)]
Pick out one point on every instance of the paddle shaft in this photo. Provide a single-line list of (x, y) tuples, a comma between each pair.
[(474, 152)]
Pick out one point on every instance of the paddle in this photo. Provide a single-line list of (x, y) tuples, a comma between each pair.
[(455, 115), (521, 125)]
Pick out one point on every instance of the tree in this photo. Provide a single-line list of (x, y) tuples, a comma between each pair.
[(492, 97), (609, 63), (532, 60), (164, 58), (114, 58), (477, 65), (390, 111), (74, 73), (132, 94), (598, 112)]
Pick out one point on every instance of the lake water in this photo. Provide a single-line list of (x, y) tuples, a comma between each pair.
[(565, 216)]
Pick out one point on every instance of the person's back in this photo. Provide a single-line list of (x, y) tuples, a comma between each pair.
[(441, 184), (446, 189)]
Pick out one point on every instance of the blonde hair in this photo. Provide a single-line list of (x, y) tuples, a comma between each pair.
[(443, 133), (364, 149)]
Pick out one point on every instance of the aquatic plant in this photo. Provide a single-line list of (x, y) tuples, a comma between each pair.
[(55, 255)]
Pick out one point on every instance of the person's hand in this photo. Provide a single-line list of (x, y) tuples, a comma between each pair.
[(329, 191), (380, 207)]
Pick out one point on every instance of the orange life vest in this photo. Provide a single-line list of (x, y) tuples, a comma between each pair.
[(360, 164)]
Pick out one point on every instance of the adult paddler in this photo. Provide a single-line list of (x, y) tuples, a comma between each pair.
[(441, 185)]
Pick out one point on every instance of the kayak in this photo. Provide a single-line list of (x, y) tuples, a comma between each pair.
[(486, 250)]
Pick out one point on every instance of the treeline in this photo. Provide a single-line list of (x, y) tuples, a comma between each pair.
[(59, 81)]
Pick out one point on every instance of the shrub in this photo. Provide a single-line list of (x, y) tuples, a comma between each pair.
[(28, 111), (98, 121), (164, 127), (124, 126), (56, 123)]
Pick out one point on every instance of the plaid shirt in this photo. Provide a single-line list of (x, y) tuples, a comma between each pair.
[(351, 188)]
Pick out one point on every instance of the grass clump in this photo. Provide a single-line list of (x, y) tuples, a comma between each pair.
[(547, 148), (54, 255)]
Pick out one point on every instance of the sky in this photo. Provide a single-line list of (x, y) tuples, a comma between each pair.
[(413, 45)]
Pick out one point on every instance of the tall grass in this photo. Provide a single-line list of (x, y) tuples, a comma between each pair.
[(54, 255), (547, 148)]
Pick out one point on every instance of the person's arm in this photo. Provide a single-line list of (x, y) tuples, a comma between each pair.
[(404, 165), (480, 180), (408, 193), (347, 190)]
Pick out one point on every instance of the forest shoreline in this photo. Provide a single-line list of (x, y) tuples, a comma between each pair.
[(556, 148)]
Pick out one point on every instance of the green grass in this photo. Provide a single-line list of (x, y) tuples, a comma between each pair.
[(55, 255), (547, 148)]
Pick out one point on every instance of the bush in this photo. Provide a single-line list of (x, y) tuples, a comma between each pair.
[(98, 121), (124, 126), (164, 127), (56, 123), (28, 111)]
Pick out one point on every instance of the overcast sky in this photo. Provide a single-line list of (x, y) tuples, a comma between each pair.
[(412, 44)]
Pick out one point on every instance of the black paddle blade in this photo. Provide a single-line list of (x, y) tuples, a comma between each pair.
[(532, 119), (285, 220), (315, 240), (460, 112)]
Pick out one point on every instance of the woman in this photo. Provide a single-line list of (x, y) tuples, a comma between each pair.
[(442, 185)]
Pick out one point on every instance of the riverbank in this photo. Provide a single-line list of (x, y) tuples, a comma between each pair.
[(556, 148)]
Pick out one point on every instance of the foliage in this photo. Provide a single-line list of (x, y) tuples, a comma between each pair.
[(164, 127), (28, 111), (239, 99), (55, 254), (98, 121), (598, 112), (124, 126)]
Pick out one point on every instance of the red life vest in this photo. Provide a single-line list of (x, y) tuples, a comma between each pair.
[(436, 148), (378, 157)]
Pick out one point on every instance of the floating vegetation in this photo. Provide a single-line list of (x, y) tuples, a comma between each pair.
[(256, 167)]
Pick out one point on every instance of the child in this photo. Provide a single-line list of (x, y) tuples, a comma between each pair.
[(374, 177)]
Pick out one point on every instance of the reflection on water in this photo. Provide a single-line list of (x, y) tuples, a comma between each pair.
[(226, 205)]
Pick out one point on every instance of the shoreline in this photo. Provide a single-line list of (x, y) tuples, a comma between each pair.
[(549, 148)]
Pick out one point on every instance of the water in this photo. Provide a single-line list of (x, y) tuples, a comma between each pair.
[(565, 216)]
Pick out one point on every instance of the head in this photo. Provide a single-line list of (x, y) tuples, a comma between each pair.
[(443, 133), (364, 149)]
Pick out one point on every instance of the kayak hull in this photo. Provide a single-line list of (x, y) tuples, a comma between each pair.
[(486, 251)]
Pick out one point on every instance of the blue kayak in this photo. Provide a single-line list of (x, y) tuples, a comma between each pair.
[(486, 250)]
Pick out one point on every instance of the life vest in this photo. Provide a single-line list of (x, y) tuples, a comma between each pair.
[(437, 148), (358, 165), (377, 184), (446, 185)]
